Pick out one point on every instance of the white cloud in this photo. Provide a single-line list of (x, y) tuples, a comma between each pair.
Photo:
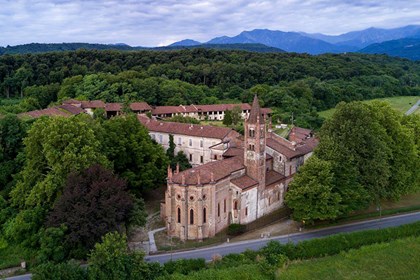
[(150, 23)]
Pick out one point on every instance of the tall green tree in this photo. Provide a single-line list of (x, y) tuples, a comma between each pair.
[(134, 155), (311, 194), (55, 147)]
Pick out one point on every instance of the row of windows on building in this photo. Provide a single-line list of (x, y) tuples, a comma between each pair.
[(159, 139), (191, 219)]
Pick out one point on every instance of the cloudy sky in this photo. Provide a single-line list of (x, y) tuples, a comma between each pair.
[(161, 22)]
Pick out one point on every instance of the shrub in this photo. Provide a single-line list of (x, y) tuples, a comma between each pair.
[(62, 271), (236, 229), (184, 266)]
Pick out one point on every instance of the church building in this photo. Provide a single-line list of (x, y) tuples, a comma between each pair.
[(247, 183)]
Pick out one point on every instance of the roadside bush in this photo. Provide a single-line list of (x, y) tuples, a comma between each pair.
[(63, 271), (184, 266), (236, 229), (335, 244)]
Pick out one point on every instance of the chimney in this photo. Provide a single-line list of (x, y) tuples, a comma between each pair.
[(212, 177), (183, 179), (177, 168)]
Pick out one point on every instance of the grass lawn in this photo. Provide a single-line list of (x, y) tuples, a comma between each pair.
[(399, 103), (395, 260)]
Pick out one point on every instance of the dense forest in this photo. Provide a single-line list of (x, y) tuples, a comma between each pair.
[(43, 48), (290, 83)]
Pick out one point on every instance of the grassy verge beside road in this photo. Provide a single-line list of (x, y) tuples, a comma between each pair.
[(398, 259)]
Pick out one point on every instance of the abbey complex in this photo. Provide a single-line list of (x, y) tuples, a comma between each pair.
[(245, 178), (234, 179)]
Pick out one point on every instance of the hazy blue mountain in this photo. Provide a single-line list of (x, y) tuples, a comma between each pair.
[(242, 47), (407, 48), (186, 42), (363, 38), (288, 41)]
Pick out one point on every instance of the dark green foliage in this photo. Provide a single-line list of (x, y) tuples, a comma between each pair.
[(182, 160), (12, 132), (236, 229), (134, 155), (62, 271), (184, 266), (111, 259), (338, 243), (297, 84), (367, 153), (52, 245), (93, 203)]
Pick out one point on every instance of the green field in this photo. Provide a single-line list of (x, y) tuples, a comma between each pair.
[(395, 260), (399, 103)]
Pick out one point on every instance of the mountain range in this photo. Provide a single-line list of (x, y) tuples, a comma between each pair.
[(402, 42), (317, 43)]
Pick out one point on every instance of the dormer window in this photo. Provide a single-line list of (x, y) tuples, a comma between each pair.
[(251, 133)]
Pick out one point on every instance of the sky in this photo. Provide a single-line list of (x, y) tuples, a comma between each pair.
[(161, 22)]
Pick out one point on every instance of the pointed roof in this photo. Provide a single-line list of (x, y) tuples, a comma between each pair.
[(255, 113)]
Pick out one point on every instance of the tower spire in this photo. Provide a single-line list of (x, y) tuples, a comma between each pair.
[(255, 116)]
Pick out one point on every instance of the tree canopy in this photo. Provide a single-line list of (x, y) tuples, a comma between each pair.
[(369, 153)]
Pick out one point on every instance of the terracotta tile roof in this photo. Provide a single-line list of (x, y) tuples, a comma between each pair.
[(299, 134), (221, 107), (53, 111), (72, 101), (113, 107), (161, 110), (286, 148), (232, 152), (72, 109), (93, 104), (272, 177), (255, 113), (206, 131), (244, 182), (220, 170), (140, 106)]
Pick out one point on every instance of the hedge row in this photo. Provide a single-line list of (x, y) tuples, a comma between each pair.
[(335, 244)]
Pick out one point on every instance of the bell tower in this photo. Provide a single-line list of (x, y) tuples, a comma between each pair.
[(255, 141)]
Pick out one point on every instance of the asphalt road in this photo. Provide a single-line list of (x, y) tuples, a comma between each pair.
[(256, 244), (413, 108)]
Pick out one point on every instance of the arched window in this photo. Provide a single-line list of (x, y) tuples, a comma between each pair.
[(179, 215), (235, 205), (191, 217), (204, 215)]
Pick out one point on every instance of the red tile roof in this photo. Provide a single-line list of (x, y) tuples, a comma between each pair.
[(231, 152), (161, 110), (206, 131), (272, 177), (220, 170), (47, 112), (289, 150), (72, 109), (140, 106), (93, 104), (244, 182), (113, 107), (299, 134)]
